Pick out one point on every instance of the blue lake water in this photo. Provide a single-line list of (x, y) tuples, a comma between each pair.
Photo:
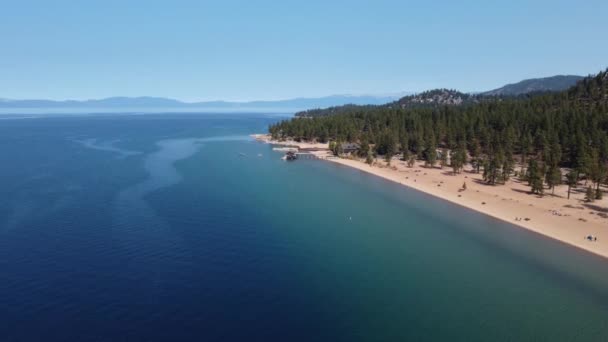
[(179, 227)]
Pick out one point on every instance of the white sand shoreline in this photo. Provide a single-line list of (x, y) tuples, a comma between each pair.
[(556, 217)]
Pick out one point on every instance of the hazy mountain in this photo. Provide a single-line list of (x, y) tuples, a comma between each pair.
[(428, 98), (450, 97), (554, 83), (436, 97), (160, 102)]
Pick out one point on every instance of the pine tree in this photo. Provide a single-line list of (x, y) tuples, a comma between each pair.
[(590, 194), (339, 148), (369, 158), (532, 170), (555, 156), (595, 168), (430, 155), (491, 170), (535, 178), (364, 148), (412, 161), (476, 158), (571, 180), (523, 174), (458, 159), (541, 145), (405, 146), (600, 175), (499, 160), (405, 155), (332, 147), (443, 161), (323, 136), (420, 145), (507, 168), (526, 143), (553, 178)]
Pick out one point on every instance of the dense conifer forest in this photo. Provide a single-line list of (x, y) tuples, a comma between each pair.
[(539, 134)]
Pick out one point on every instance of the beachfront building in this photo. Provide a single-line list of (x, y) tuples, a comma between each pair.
[(348, 148)]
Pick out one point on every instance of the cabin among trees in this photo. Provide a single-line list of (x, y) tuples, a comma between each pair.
[(349, 147), (343, 148)]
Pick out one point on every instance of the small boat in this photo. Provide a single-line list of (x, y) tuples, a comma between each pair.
[(291, 155)]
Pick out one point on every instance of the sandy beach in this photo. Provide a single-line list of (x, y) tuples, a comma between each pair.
[(555, 216)]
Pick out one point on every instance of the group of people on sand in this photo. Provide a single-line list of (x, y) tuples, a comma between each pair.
[(591, 238)]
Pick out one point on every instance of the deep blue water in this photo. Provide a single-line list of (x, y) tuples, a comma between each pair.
[(179, 227)]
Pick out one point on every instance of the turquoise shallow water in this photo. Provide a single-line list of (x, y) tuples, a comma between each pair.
[(174, 227)]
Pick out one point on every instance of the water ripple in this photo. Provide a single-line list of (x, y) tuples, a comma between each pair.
[(108, 146)]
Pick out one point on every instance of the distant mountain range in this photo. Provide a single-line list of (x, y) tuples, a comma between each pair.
[(432, 97), (522, 88), (451, 97), (160, 102), (554, 83)]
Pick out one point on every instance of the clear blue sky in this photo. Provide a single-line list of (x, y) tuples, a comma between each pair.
[(242, 50)]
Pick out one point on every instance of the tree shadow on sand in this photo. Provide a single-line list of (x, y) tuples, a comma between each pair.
[(595, 207)]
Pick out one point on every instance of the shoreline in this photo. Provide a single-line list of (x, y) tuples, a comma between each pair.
[(555, 217)]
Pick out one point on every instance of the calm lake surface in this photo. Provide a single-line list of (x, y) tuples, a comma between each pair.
[(179, 227)]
